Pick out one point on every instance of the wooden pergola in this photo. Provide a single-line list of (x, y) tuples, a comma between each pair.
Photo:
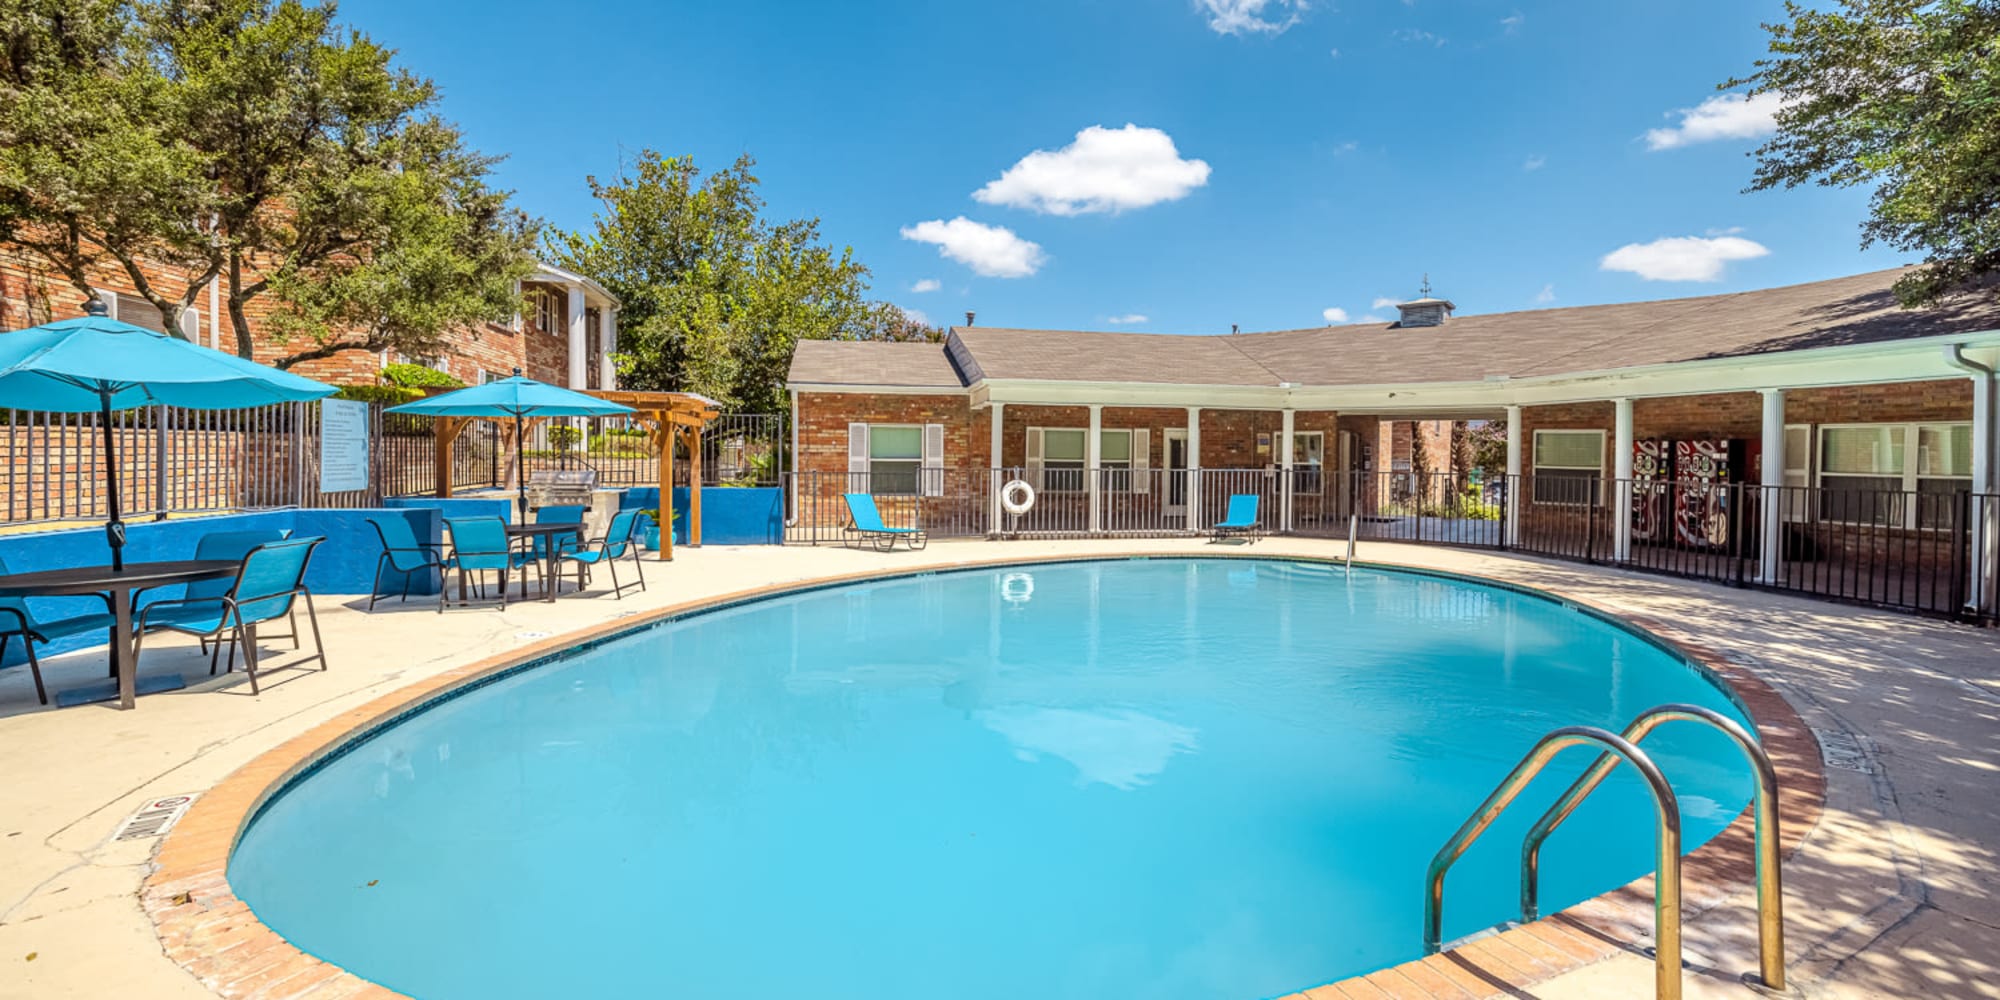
[(677, 418)]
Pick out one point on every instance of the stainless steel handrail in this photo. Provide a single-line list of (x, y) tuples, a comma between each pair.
[(1667, 880), (1770, 886)]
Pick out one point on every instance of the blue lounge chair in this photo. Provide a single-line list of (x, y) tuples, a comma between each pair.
[(16, 619), (266, 588), (867, 525), (480, 545), (403, 553), (616, 544), (1242, 519)]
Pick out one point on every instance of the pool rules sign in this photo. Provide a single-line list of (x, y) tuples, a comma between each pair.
[(343, 445)]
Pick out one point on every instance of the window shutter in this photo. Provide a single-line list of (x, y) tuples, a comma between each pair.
[(1141, 444), (857, 458), (1035, 457), (933, 470), (191, 325)]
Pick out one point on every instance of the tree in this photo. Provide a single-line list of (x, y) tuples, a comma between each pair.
[(1903, 95), (257, 141), (713, 296)]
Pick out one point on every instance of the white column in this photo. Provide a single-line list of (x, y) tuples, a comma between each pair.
[(607, 332), (1515, 493), (1286, 421), (1772, 479), (994, 413), (1194, 469), (577, 355), (1985, 530), (1621, 484), (1093, 454)]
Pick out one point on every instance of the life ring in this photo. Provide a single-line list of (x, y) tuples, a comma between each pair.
[(1017, 497), (1017, 588)]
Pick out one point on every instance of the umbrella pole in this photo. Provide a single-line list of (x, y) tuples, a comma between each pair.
[(520, 468), (114, 530)]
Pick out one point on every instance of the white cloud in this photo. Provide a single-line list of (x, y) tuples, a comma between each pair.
[(1535, 162), (1334, 315), (1383, 302), (917, 315), (926, 285), (1547, 294), (1104, 170), (993, 251), (1724, 116), (1512, 22), (1240, 17), (1420, 37), (1126, 319), (1371, 318), (1682, 258)]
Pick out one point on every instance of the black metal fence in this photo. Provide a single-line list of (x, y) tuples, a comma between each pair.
[(1924, 551)]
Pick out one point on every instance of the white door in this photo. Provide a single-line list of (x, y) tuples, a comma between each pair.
[(1174, 458)]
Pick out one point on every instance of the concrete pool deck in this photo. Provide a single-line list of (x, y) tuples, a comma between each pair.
[(1892, 893)]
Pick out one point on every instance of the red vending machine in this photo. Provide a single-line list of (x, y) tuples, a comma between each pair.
[(1703, 472), (1652, 468)]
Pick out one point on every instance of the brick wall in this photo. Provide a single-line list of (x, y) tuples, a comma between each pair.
[(50, 472), (29, 296)]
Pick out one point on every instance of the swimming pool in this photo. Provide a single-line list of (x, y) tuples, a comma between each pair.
[(1163, 778)]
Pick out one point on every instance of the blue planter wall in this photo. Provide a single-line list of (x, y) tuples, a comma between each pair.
[(730, 515), (344, 564)]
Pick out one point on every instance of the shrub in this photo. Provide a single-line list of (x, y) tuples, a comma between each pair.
[(387, 395), (411, 376)]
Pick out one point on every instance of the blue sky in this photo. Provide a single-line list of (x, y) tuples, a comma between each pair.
[(1289, 158)]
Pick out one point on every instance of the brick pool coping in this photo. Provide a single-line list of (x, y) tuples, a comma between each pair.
[(208, 931)]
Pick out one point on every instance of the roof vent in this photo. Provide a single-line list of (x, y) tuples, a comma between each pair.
[(1424, 310), (969, 314)]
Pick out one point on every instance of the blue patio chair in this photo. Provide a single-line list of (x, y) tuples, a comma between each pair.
[(1242, 519), (866, 525), (231, 546), (17, 620), (560, 514), (615, 544), (403, 553), (266, 588), (480, 545)]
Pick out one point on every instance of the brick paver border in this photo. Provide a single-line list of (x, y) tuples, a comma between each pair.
[(212, 934)]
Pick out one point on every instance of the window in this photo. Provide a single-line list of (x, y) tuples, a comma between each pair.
[(1569, 467), (1062, 458), (1893, 474), (896, 459), (1308, 460), (894, 456), (544, 311)]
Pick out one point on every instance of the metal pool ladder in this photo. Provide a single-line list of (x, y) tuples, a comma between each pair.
[(1770, 976)]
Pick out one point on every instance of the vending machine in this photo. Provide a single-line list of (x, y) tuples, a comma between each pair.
[(1652, 468), (1703, 473)]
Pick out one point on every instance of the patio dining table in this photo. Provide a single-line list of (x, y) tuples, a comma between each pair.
[(119, 584), (549, 531)]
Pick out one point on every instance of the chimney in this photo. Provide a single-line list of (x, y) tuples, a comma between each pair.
[(969, 315), (1233, 329), (1424, 310)]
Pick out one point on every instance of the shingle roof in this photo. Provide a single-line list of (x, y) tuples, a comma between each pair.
[(854, 362), (1860, 309)]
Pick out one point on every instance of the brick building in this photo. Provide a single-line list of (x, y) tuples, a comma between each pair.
[(1821, 386), (539, 342)]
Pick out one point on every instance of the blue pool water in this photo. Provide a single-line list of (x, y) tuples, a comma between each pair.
[(1162, 779)]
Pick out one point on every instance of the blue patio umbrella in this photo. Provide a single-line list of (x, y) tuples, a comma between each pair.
[(99, 364), (518, 398)]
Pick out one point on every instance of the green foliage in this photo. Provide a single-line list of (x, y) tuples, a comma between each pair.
[(563, 438), (411, 376), (1903, 95), (257, 141), (387, 395), (715, 296)]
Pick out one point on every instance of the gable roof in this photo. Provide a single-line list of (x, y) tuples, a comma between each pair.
[(873, 363), (1860, 309)]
